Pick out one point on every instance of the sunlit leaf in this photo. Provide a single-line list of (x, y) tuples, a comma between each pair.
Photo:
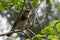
[(58, 27), (54, 39), (53, 22), (16, 1), (21, 0), (1, 6), (39, 35), (48, 30), (7, 0), (28, 39), (50, 36)]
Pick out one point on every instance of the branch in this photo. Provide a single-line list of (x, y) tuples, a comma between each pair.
[(16, 31), (11, 32), (36, 16)]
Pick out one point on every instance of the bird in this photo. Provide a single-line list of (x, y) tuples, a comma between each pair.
[(21, 21)]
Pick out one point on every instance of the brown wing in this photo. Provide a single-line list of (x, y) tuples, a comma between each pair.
[(19, 23), (15, 23)]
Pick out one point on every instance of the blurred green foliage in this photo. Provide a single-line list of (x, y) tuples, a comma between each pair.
[(50, 16), (13, 8), (50, 31)]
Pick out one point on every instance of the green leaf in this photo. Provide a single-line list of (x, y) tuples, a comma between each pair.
[(1, 6), (47, 1), (50, 36), (18, 7), (27, 39), (35, 38), (54, 39), (58, 6), (39, 35), (35, 3), (58, 27), (53, 23), (16, 1), (7, 0), (21, 0), (48, 30), (58, 34)]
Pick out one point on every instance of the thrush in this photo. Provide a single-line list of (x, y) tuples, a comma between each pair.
[(21, 21)]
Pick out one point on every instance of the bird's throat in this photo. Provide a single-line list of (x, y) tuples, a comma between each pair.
[(23, 18)]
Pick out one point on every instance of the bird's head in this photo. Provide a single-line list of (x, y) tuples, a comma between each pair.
[(27, 12)]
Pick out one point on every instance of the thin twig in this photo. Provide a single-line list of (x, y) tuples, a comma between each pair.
[(36, 17)]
